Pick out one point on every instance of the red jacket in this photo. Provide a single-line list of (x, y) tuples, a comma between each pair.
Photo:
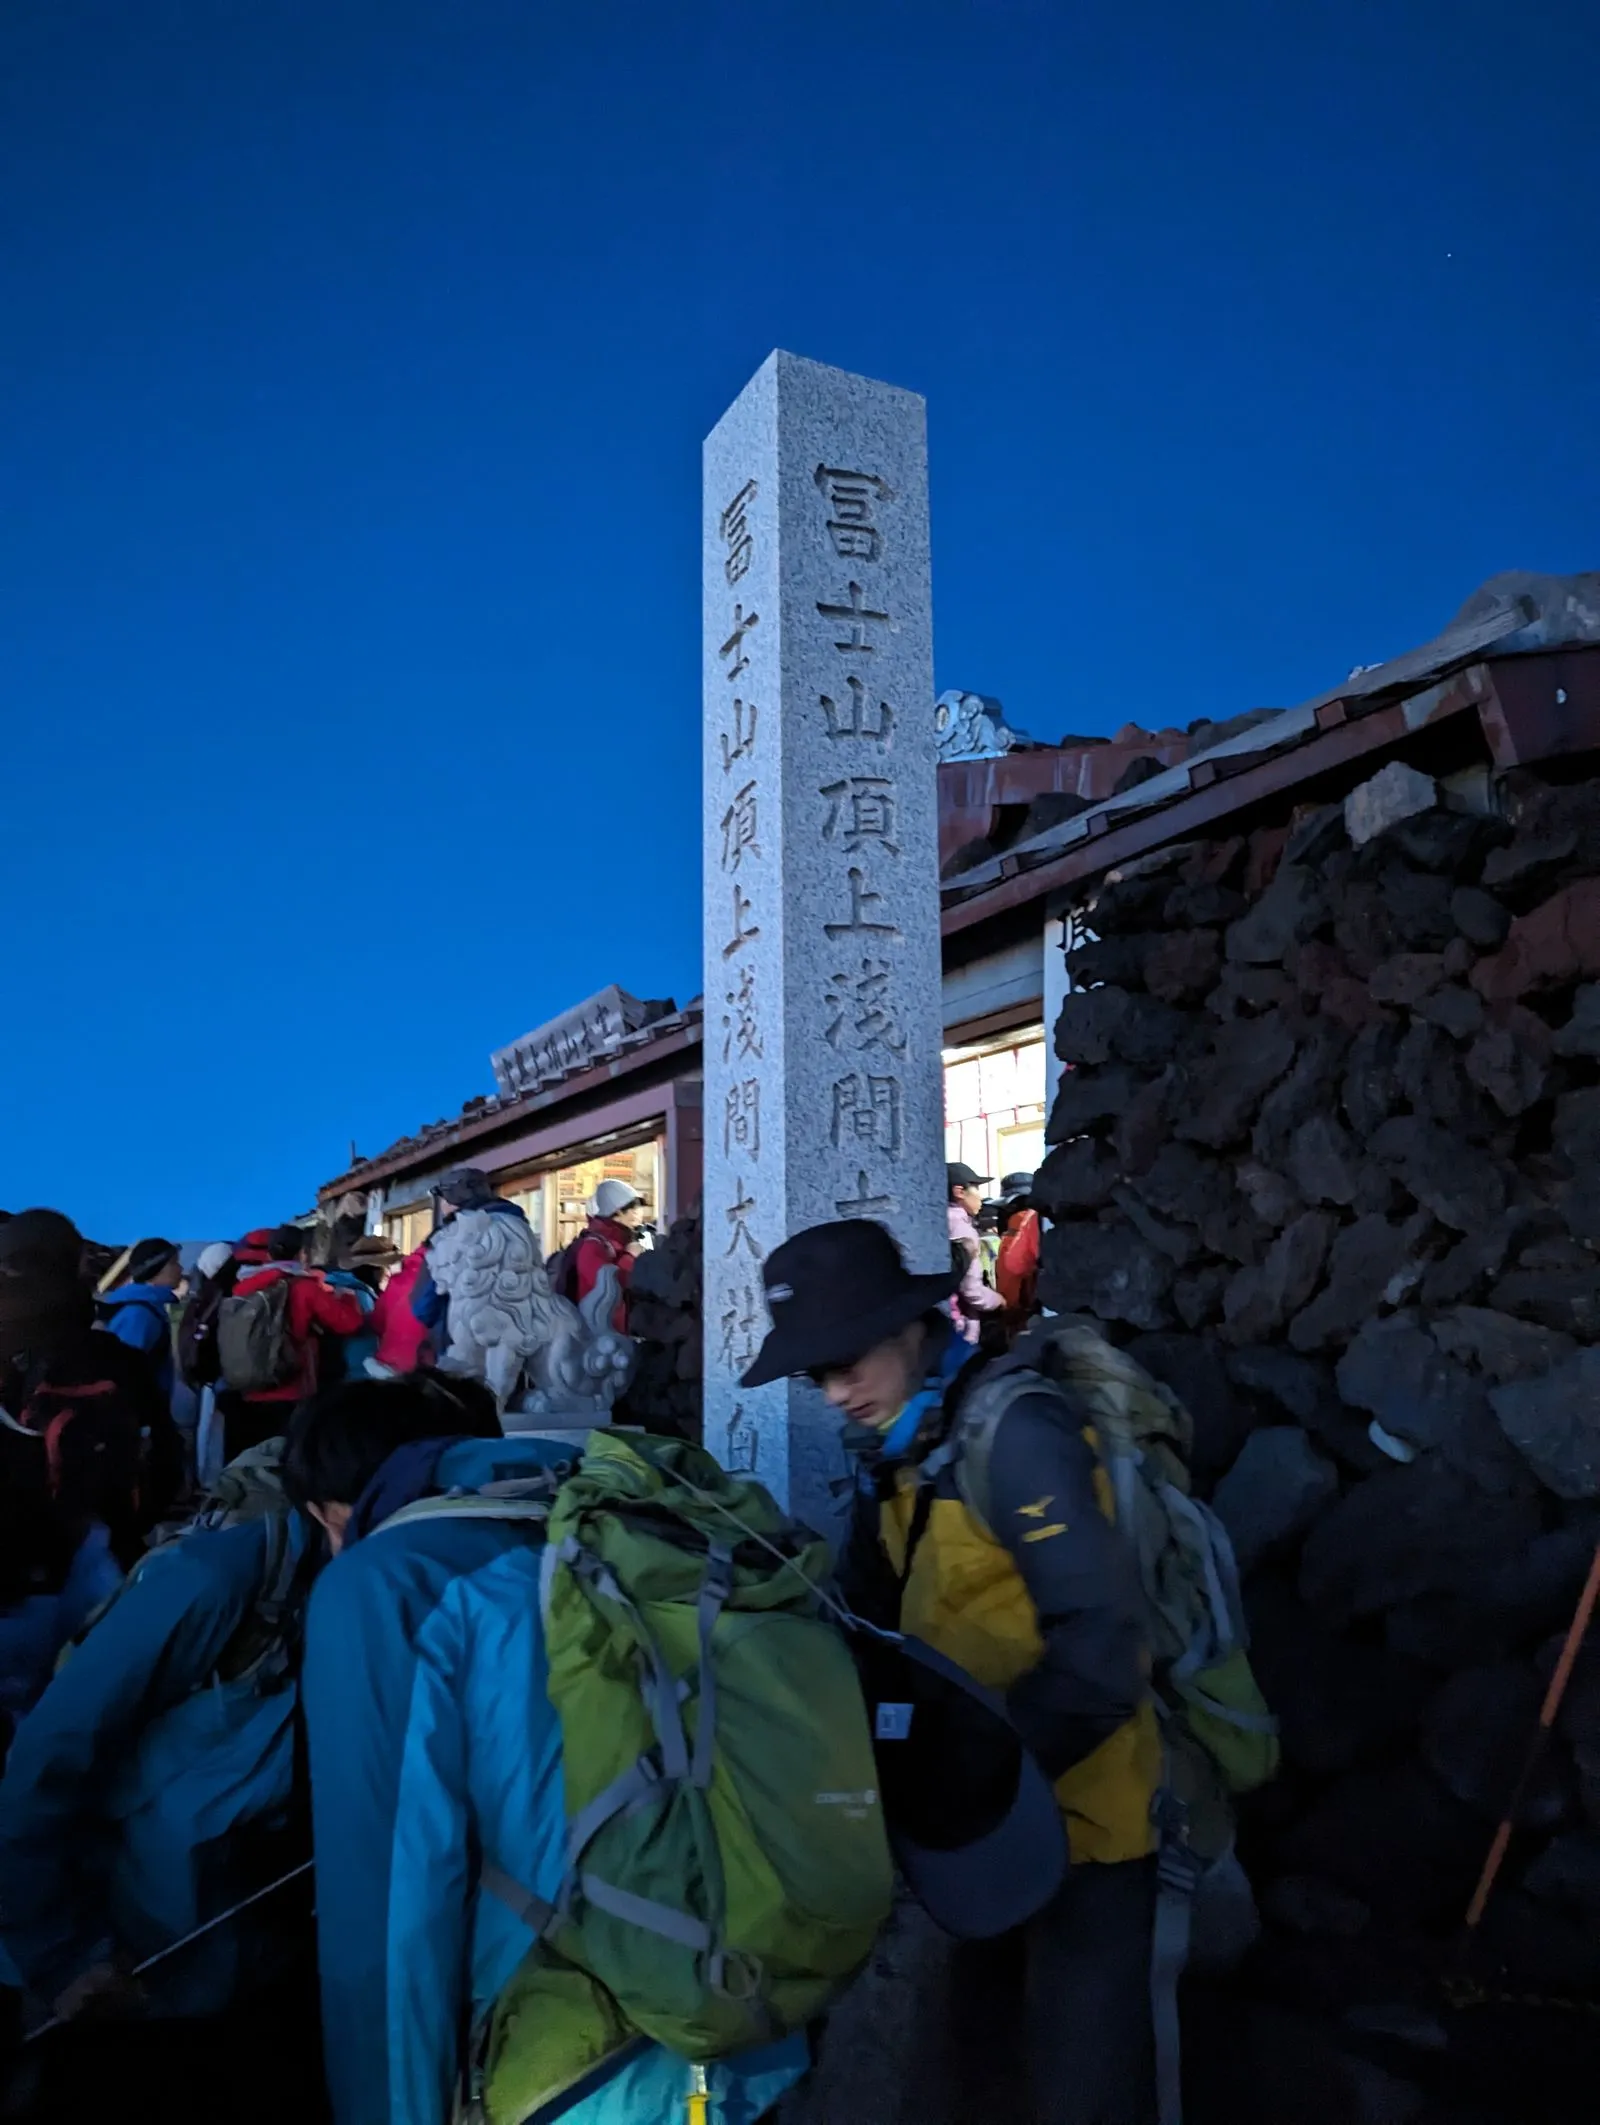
[(403, 1341), (1016, 1272), (605, 1243), (313, 1303)]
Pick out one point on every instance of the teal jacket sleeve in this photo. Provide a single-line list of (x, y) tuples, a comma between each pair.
[(394, 1861), (159, 1641)]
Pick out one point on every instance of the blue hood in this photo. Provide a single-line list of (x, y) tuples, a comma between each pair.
[(425, 1468), (140, 1295)]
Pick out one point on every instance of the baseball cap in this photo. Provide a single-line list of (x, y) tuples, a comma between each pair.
[(959, 1176), (974, 1826)]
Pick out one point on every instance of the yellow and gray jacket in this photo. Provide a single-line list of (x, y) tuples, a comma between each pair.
[(1039, 1599)]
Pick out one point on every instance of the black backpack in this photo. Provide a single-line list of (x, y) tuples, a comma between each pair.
[(199, 1357), (157, 1354)]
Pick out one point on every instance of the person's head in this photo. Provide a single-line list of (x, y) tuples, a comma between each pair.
[(214, 1261), (340, 1439), (155, 1262), (464, 1188), (43, 1298), (622, 1204), (965, 1188), (289, 1243), (370, 1257), (848, 1313)]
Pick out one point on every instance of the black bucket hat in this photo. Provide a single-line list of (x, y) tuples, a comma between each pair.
[(972, 1821), (834, 1293)]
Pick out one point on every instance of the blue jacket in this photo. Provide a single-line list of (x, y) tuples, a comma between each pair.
[(141, 1316), (358, 1348), (434, 1747), (129, 1781), (33, 1631)]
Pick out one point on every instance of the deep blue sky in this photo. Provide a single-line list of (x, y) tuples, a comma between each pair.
[(355, 357)]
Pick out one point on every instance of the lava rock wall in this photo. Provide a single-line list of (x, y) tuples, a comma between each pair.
[(1327, 1161)]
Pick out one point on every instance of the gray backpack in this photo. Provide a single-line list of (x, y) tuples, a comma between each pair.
[(254, 1347)]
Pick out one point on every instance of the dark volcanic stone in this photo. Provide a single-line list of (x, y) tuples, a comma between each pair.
[(1274, 1491), (1480, 917), (1193, 1368), (1454, 1010), (1311, 1087), (1459, 1183), (1271, 1198), (1147, 1122), (1247, 1058), (1453, 842), (1089, 1018), (1470, 1263), (1554, 1422), (1089, 1099), (1181, 968), (1076, 1176), (1563, 1299), (1396, 1839), (1418, 908), (1371, 1090), (1260, 1300), (1290, 910), (1559, 942), (1298, 1385), (1568, 1872), (1176, 1242), (1197, 1295), (1576, 1128), (1407, 977), (1322, 1161), (1508, 1061), (1190, 906), (1246, 992), (1369, 1260), (1475, 1738), (1581, 1034), (1398, 1374), (1131, 903), (1119, 960), (1409, 1531), (1182, 1184), (1503, 1348), (1300, 1903), (1338, 1703), (1105, 1270)]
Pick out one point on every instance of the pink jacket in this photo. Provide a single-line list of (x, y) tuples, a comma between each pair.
[(974, 1296)]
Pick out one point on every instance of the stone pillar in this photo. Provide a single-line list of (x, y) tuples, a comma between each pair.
[(823, 1084)]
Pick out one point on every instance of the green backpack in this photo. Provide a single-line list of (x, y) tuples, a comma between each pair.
[(728, 1865), (1221, 1739)]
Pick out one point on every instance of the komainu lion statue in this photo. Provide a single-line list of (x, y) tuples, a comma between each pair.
[(508, 1327)]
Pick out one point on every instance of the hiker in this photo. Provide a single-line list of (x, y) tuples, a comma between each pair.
[(438, 1787), (85, 1422), (611, 1239), (404, 1344), (360, 1270), (269, 1332), (139, 1312), (152, 1785), (1016, 1271), (1046, 1608), (974, 1297), (464, 1191), (479, 1284)]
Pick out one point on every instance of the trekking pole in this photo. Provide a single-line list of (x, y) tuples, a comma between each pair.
[(57, 2021), (1536, 1748)]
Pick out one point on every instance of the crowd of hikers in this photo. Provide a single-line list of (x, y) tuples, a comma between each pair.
[(363, 1762)]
